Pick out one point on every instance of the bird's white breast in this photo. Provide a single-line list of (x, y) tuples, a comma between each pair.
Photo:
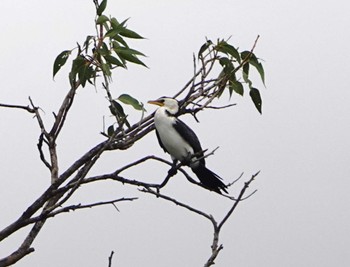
[(171, 139)]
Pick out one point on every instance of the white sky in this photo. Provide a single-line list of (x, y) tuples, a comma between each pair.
[(300, 215)]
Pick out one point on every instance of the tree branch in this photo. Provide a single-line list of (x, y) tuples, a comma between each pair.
[(215, 247), (176, 202), (27, 108), (110, 259), (239, 199)]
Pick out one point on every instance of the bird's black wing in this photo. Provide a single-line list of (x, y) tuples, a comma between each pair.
[(160, 142), (188, 134)]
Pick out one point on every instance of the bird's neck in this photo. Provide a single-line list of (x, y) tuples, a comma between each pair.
[(162, 111)]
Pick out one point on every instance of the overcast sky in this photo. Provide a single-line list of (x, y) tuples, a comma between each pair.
[(300, 215)]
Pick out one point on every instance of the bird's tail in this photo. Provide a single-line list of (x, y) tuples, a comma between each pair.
[(209, 179)]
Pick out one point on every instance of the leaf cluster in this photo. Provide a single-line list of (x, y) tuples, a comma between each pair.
[(99, 55), (106, 50), (235, 69)]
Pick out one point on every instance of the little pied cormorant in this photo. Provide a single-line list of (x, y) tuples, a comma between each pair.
[(177, 139)]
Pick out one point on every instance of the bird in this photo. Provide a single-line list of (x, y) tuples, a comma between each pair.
[(181, 142)]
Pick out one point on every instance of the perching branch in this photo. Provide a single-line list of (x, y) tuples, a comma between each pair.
[(215, 247)]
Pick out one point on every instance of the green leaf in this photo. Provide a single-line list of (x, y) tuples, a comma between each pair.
[(129, 100), (106, 69), (127, 50), (110, 130), (255, 95), (87, 42), (112, 33), (245, 55), (255, 62), (204, 47), (102, 19), (116, 25), (116, 109), (119, 39), (114, 61), (130, 34), (246, 74), (116, 28), (237, 87), (86, 72), (131, 58), (103, 50), (60, 60), (228, 50), (101, 7), (83, 69), (227, 64), (224, 61), (78, 62), (114, 22)]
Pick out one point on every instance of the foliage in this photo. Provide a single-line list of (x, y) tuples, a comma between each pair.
[(100, 55), (232, 61)]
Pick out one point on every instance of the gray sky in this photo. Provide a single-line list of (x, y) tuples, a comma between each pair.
[(300, 214)]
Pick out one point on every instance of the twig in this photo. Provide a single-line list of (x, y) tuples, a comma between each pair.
[(222, 107), (41, 153), (216, 248), (178, 203), (236, 180), (50, 214), (241, 194), (27, 108), (86, 206), (110, 259)]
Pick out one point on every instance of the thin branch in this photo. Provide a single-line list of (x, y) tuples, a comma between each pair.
[(236, 180), (216, 248), (215, 251), (178, 203), (41, 153), (240, 197), (38, 117), (79, 207), (60, 118), (110, 259), (27, 108), (221, 107)]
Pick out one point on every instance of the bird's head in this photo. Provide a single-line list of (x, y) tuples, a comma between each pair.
[(170, 104)]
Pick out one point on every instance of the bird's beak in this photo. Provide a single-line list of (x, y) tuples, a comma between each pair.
[(156, 102)]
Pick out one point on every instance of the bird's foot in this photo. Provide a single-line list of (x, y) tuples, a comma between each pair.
[(172, 171)]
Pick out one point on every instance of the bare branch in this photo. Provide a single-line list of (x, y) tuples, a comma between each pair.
[(221, 107), (27, 108), (79, 207), (216, 248), (60, 118), (241, 194), (110, 259), (25, 248), (178, 203), (236, 180), (38, 117), (42, 156)]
